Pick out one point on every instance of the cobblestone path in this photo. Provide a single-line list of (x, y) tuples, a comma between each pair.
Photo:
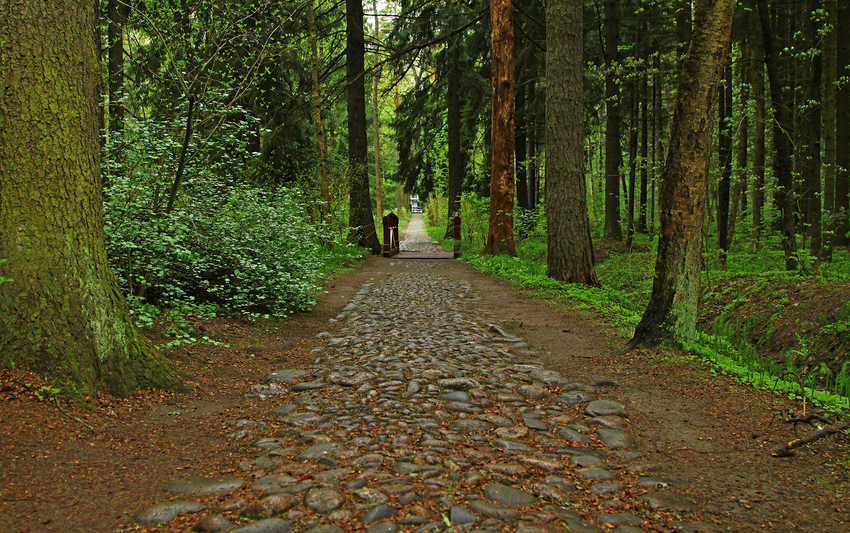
[(421, 413)]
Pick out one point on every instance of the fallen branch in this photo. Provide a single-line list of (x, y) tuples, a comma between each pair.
[(785, 449)]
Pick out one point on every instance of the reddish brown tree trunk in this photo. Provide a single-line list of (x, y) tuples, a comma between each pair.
[(500, 234)]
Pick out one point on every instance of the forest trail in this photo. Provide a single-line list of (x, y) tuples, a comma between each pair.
[(421, 396)]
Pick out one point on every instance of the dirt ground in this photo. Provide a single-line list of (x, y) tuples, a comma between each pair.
[(64, 468)]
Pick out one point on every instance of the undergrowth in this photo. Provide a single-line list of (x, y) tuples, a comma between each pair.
[(626, 280)]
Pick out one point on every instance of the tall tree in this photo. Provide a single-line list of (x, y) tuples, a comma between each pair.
[(613, 152), (570, 249), (672, 310), (757, 79), (500, 234), (830, 48), (812, 163), (317, 110), (782, 152), (724, 157), (453, 133), (360, 218), (117, 11), (841, 237), (376, 122), (63, 314)]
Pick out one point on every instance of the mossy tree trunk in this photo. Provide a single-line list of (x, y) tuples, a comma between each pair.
[(672, 310), (63, 315)]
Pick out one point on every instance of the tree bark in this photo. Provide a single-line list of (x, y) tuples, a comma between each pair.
[(841, 237), (317, 110), (830, 46), (782, 152), (500, 234), (570, 248), (757, 79), (453, 127), (741, 154), (672, 310), (812, 174), (724, 157), (644, 154), (63, 315), (360, 219), (613, 153), (376, 124), (117, 15)]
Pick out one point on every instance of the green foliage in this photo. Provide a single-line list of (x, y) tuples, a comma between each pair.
[(529, 275), (224, 242)]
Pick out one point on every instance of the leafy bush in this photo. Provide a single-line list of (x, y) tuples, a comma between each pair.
[(226, 243)]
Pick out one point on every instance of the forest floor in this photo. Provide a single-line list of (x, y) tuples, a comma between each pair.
[(69, 468)]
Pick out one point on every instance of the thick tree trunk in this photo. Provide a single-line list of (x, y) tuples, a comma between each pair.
[(570, 248), (63, 314), (317, 110), (360, 219), (672, 310), (782, 152), (376, 125), (613, 153), (500, 234)]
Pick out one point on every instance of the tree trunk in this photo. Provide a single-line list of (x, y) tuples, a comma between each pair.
[(724, 157), (740, 185), (672, 310), (683, 29), (453, 126), (63, 315), (376, 124), (613, 154), (841, 237), (757, 79), (570, 248), (633, 148), (521, 183), (317, 110), (658, 145), (813, 133), (830, 46), (644, 153), (782, 153), (360, 220), (500, 234), (117, 15)]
